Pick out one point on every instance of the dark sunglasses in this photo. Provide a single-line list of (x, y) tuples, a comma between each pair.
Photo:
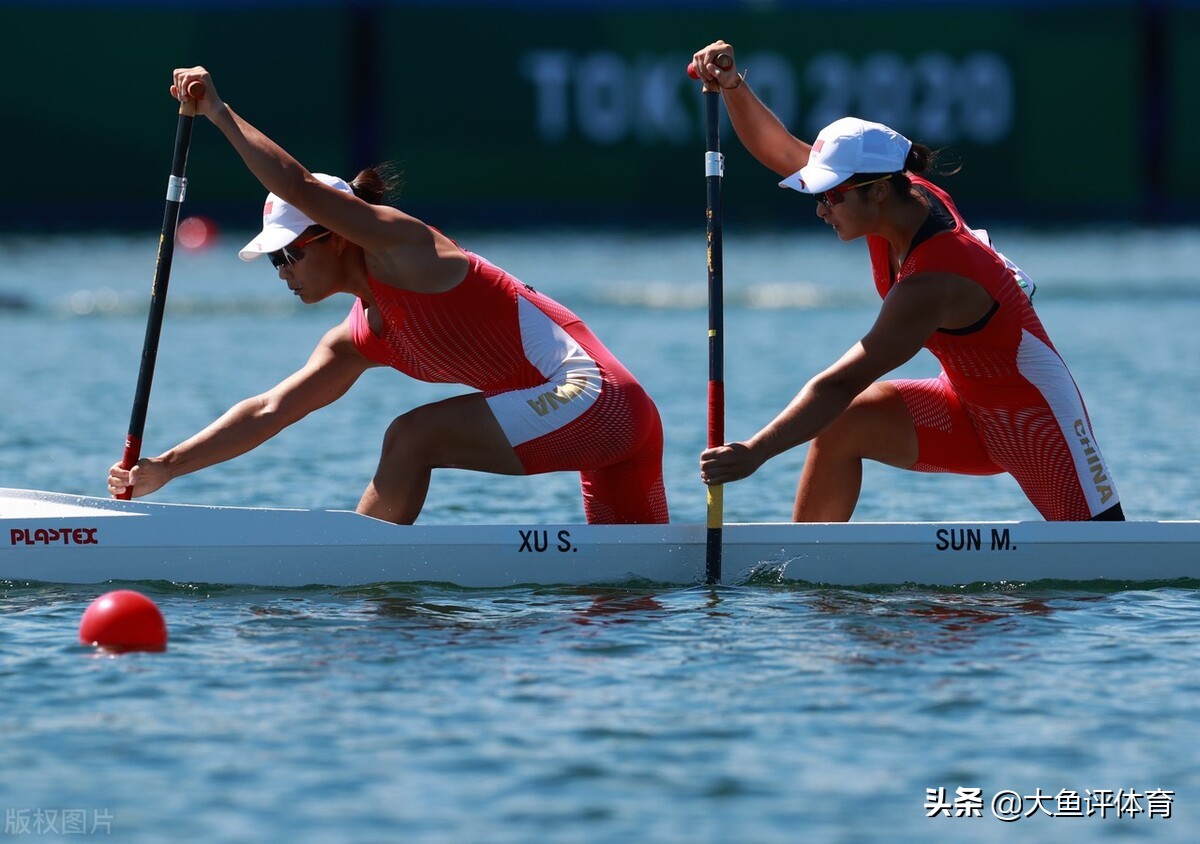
[(293, 252), (836, 196)]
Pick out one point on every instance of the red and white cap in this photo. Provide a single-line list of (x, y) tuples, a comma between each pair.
[(283, 222), (848, 146)]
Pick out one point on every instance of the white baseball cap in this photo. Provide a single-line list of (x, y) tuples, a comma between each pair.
[(283, 222), (848, 146)]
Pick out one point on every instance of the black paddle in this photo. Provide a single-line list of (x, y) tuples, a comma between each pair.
[(714, 171), (176, 187)]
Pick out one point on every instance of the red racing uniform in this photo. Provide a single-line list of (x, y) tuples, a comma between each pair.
[(1005, 401), (563, 400)]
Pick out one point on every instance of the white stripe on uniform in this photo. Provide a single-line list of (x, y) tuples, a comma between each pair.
[(572, 376), (1047, 372)]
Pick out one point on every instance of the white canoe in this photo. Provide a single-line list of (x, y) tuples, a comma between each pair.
[(59, 538)]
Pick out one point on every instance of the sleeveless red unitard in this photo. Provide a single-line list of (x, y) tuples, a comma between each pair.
[(1005, 400), (563, 400)]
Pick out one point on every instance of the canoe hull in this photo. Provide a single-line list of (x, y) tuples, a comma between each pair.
[(60, 538)]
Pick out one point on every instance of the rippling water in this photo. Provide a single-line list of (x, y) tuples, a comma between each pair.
[(753, 714), (749, 714)]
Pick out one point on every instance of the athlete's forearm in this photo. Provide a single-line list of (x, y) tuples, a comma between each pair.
[(240, 429), (813, 409)]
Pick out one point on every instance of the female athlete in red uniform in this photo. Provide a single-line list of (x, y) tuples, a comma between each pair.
[(1004, 402), (550, 396)]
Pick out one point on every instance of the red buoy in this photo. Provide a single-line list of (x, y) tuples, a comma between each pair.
[(124, 620)]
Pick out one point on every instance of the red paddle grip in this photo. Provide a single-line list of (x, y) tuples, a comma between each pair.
[(716, 413)]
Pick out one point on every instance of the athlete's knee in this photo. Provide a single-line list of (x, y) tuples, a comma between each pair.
[(407, 437)]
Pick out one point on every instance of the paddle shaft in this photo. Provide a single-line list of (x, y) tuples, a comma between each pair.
[(176, 187), (714, 171)]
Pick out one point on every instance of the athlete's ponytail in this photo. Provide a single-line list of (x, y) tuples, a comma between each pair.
[(925, 161), (379, 184), (921, 161)]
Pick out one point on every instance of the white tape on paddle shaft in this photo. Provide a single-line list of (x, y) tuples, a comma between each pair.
[(176, 188), (714, 164)]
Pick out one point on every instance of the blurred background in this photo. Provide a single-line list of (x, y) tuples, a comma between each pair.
[(514, 113)]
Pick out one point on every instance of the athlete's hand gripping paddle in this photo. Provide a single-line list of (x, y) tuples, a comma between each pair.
[(176, 187), (723, 60)]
